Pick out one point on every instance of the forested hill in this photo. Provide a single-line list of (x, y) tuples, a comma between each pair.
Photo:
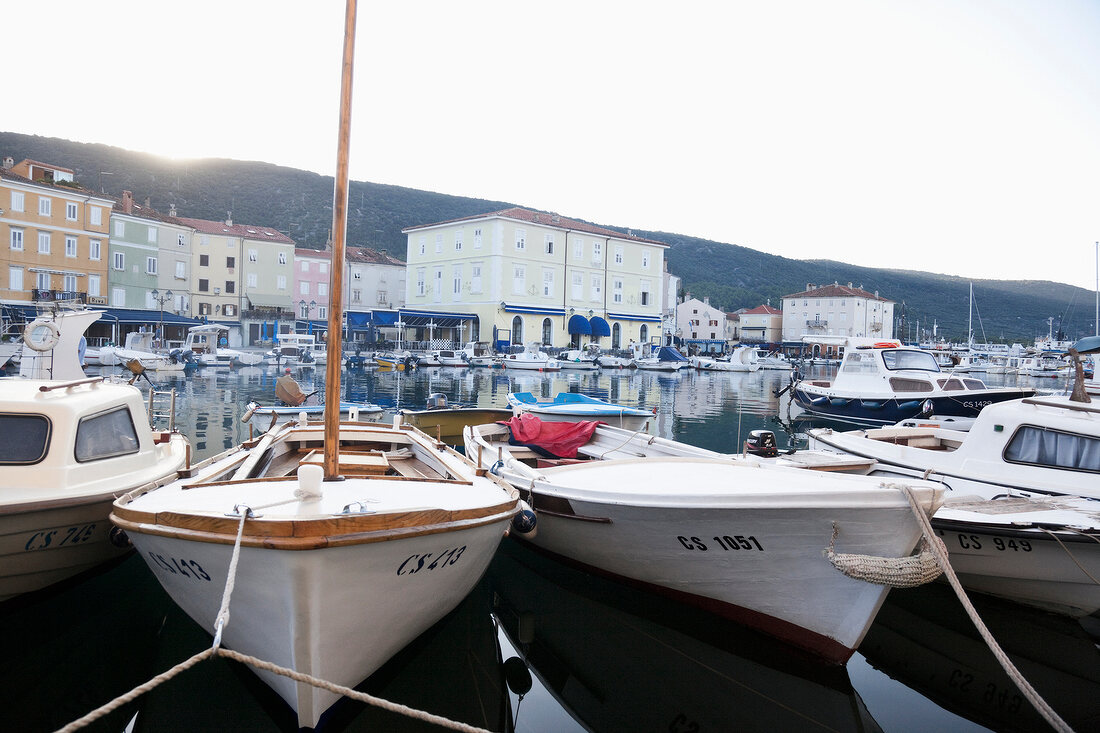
[(299, 203)]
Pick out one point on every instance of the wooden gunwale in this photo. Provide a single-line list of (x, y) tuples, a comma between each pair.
[(309, 534)]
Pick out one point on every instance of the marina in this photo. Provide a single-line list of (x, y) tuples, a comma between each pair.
[(455, 667)]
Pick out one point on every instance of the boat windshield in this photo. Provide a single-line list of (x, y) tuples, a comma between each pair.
[(909, 359)]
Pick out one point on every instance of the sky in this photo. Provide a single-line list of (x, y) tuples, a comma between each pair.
[(949, 136)]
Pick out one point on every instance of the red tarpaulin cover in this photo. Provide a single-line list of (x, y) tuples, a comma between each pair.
[(559, 439)]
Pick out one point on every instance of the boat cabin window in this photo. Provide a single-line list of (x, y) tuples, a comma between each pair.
[(974, 384), (901, 384), (859, 362), (951, 385), (1042, 447), (106, 435), (908, 359), (26, 439)]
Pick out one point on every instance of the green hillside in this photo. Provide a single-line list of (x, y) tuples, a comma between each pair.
[(299, 203)]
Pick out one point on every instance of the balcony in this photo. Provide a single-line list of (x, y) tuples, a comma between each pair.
[(39, 295), (817, 324)]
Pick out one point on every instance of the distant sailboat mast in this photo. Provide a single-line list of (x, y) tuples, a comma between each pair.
[(970, 320)]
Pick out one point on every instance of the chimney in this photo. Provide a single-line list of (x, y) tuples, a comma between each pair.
[(171, 209), (229, 218), (127, 202), (148, 202), (706, 300), (849, 285), (809, 286), (8, 162)]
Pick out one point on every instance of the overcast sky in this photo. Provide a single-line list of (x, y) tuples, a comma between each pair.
[(955, 136)]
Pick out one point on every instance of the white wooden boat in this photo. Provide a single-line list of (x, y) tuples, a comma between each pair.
[(884, 382), (480, 354), (71, 444), (742, 537), (573, 407), (203, 340), (334, 578), (742, 359), (353, 411), (298, 349), (1021, 518), (139, 346), (586, 359), (532, 358)]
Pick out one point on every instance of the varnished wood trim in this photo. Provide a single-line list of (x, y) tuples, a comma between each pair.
[(310, 534)]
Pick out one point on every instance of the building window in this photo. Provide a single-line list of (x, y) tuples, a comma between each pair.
[(204, 260), (120, 228), (70, 211), (181, 270), (42, 281), (477, 239), (643, 333), (597, 253), (437, 293), (577, 291), (94, 249), (204, 309), (282, 258), (252, 279), (16, 200), (517, 330), (423, 244), (644, 294), (475, 278), (204, 285), (322, 267), (458, 241), (578, 249), (44, 206), (322, 312), (356, 275), (229, 310), (548, 282), (303, 287), (152, 234), (305, 266), (617, 291), (438, 242), (617, 336), (521, 240), (15, 278), (356, 296), (150, 265), (280, 282), (547, 332), (93, 285), (381, 297), (95, 215), (519, 279), (618, 255), (16, 239), (420, 273), (181, 240), (204, 239), (251, 255), (118, 297), (230, 262), (549, 244), (597, 288), (322, 290), (645, 263), (43, 243), (230, 286), (456, 281)]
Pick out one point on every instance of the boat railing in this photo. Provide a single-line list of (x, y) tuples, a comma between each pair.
[(158, 411)]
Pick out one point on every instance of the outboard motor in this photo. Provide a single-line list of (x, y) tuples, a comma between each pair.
[(761, 443), (305, 356), (437, 401)]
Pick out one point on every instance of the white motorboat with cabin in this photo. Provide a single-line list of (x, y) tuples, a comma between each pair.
[(71, 444), (139, 346), (773, 360), (662, 359), (584, 359), (204, 342), (480, 354), (532, 358), (884, 382), (334, 576), (741, 359), (298, 349), (743, 537), (1021, 517)]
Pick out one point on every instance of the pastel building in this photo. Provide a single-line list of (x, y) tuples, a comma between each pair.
[(836, 310), (134, 256), (53, 236), (700, 325), (762, 325), (518, 276)]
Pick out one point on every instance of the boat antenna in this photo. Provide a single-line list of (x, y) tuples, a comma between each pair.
[(336, 272)]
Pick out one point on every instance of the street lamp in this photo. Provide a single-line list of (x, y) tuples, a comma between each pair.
[(161, 299)]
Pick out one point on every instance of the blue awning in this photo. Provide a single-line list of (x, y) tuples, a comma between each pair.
[(533, 309), (118, 315), (599, 326), (436, 319), (381, 318), (579, 324), (634, 317)]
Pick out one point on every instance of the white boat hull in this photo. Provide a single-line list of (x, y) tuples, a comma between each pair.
[(336, 613)]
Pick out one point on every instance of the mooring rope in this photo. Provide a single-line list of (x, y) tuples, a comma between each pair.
[(220, 622), (1061, 544), (940, 552)]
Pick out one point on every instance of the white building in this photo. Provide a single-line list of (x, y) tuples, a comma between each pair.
[(518, 276), (836, 310), (700, 325)]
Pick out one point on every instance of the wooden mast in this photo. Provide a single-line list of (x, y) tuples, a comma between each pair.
[(339, 235)]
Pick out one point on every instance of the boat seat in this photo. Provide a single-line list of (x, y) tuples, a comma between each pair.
[(351, 464)]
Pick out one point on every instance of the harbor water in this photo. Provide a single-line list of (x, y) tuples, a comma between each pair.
[(540, 647)]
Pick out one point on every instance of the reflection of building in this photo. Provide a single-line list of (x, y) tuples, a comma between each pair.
[(761, 325), (526, 276), (836, 310)]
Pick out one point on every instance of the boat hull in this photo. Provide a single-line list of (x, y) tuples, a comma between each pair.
[(887, 410), (336, 613)]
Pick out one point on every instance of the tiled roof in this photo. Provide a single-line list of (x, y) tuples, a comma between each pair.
[(77, 189), (544, 219), (139, 210), (247, 231), (837, 291), (370, 256), (40, 164), (762, 310)]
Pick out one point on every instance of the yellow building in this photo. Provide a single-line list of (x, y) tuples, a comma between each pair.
[(53, 236), (519, 276)]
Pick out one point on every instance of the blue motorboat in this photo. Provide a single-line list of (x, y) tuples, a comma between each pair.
[(573, 406)]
